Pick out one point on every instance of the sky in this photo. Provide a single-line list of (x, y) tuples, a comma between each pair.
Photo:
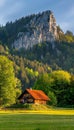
[(63, 10)]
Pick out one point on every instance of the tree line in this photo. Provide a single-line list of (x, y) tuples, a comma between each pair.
[(15, 76)]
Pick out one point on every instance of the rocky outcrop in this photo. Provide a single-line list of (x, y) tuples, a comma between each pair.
[(42, 27)]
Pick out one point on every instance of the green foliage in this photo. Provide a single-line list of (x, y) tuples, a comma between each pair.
[(62, 87), (34, 73), (53, 99), (43, 83), (7, 82), (71, 92), (28, 71), (60, 77), (61, 57), (68, 32), (18, 88), (59, 86), (32, 66), (20, 106), (69, 36), (9, 32), (3, 50)]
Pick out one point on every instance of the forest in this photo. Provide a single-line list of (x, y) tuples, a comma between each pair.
[(18, 73), (41, 67)]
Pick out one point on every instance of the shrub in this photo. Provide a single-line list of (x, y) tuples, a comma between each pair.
[(53, 99)]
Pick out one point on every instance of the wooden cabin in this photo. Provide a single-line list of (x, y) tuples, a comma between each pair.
[(33, 96)]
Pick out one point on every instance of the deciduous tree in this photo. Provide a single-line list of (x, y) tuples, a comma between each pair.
[(7, 82)]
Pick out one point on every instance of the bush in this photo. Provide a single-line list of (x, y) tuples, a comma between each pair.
[(19, 105), (53, 99)]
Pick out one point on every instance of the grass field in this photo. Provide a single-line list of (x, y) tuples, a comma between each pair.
[(36, 122)]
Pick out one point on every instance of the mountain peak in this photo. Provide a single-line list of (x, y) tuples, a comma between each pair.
[(40, 28)]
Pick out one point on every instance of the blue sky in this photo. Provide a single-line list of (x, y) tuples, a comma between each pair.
[(63, 10)]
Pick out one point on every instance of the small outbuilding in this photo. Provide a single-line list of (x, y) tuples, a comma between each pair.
[(33, 96)]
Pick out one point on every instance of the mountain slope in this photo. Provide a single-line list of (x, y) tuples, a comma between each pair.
[(30, 30), (59, 57), (37, 37), (42, 27)]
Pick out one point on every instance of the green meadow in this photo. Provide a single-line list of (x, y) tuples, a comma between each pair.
[(36, 122)]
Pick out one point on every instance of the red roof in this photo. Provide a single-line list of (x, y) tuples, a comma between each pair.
[(38, 94)]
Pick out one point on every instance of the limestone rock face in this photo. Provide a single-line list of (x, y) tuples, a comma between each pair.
[(42, 27)]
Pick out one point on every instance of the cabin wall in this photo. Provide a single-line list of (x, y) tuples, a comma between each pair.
[(26, 98), (39, 101)]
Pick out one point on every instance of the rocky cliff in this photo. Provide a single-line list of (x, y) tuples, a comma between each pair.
[(42, 27)]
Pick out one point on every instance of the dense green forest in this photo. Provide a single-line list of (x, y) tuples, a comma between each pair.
[(36, 75), (61, 57), (44, 67)]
